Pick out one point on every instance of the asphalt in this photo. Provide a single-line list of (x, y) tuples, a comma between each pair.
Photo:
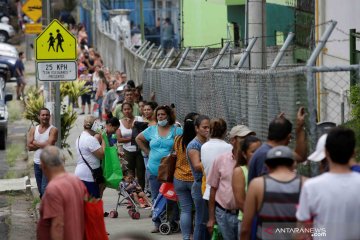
[(114, 226)]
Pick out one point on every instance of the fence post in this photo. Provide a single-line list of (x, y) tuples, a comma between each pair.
[(157, 58), (246, 53), (281, 53), (149, 49), (147, 60), (183, 57), (141, 47), (202, 56), (219, 57), (144, 48), (167, 58)]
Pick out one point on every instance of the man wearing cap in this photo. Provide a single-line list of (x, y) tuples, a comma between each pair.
[(330, 203), (279, 133), (319, 155), (222, 205), (273, 197), (119, 97)]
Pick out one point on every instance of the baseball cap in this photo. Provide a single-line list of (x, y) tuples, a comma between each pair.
[(279, 152), (240, 131), (120, 88), (319, 153)]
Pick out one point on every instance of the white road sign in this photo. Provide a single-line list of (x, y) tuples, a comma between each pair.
[(57, 71)]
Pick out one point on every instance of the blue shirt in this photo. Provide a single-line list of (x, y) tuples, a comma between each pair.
[(196, 145), (159, 146), (19, 65), (257, 161)]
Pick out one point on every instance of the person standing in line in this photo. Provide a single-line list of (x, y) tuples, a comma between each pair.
[(62, 206), (157, 142), (213, 148), (90, 153), (183, 177), (129, 98), (222, 203), (273, 198), (38, 138), (240, 174), (330, 203), (167, 38), (20, 76), (193, 151)]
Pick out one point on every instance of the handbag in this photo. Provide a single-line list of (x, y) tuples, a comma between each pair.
[(96, 173), (167, 166), (94, 219), (112, 171)]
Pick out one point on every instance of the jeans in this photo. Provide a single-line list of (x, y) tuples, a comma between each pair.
[(201, 212), (228, 224), (41, 180), (183, 191), (100, 101)]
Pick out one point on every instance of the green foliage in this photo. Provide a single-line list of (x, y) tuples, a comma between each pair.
[(13, 152), (354, 123)]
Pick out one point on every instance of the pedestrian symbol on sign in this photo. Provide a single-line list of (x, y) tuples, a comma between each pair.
[(60, 39), (51, 42)]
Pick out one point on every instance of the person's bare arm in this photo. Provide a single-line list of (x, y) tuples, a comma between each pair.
[(30, 139), (141, 142), (57, 228), (120, 138), (99, 154), (53, 135), (251, 205), (211, 222), (238, 186), (194, 156), (301, 146)]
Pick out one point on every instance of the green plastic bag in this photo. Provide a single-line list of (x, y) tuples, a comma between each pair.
[(111, 165), (216, 233)]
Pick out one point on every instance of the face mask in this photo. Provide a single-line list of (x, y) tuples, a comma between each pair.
[(162, 123)]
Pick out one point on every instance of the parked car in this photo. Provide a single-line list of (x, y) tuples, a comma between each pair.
[(8, 56), (4, 115), (6, 32)]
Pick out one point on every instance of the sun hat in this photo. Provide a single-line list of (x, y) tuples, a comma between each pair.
[(240, 131), (319, 153)]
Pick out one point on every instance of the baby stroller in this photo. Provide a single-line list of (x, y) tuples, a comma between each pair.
[(160, 214), (125, 199)]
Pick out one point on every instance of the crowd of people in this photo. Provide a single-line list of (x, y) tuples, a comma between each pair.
[(249, 189)]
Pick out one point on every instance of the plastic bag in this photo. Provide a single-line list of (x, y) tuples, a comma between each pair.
[(112, 171), (94, 220), (168, 190)]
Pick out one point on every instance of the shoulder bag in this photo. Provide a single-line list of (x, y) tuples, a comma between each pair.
[(96, 173), (167, 166)]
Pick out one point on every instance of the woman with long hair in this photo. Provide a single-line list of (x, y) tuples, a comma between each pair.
[(240, 174), (157, 142), (193, 150), (183, 177), (135, 161)]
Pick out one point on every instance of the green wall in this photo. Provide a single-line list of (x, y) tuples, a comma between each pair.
[(278, 18), (204, 23)]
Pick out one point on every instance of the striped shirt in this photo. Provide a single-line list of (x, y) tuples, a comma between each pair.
[(278, 208)]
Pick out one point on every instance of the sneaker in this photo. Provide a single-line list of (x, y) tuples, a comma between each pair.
[(81, 113)]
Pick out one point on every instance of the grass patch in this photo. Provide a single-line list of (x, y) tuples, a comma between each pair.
[(10, 175), (15, 110), (35, 201), (13, 152)]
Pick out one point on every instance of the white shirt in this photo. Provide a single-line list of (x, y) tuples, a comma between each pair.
[(126, 133), (333, 202), (41, 138), (88, 144), (209, 152)]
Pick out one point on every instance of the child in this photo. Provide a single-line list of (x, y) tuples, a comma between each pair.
[(133, 188)]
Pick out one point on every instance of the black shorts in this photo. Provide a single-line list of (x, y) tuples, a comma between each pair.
[(20, 80), (85, 98)]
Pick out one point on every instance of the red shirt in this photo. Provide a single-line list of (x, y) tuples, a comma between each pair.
[(64, 196)]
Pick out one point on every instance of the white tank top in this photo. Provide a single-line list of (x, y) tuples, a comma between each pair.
[(126, 133), (40, 138)]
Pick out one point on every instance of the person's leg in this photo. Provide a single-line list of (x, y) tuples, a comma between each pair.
[(18, 84), (100, 101), (199, 208), (130, 157), (154, 187), (140, 169), (44, 183), (88, 99), (38, 177), (93, 189), (183, 191), (83, 99)]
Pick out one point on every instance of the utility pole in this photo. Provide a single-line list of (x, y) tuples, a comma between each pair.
[(142, 28), (256, 28)]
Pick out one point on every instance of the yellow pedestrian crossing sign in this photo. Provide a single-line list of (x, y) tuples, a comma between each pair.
[(55, 43)]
